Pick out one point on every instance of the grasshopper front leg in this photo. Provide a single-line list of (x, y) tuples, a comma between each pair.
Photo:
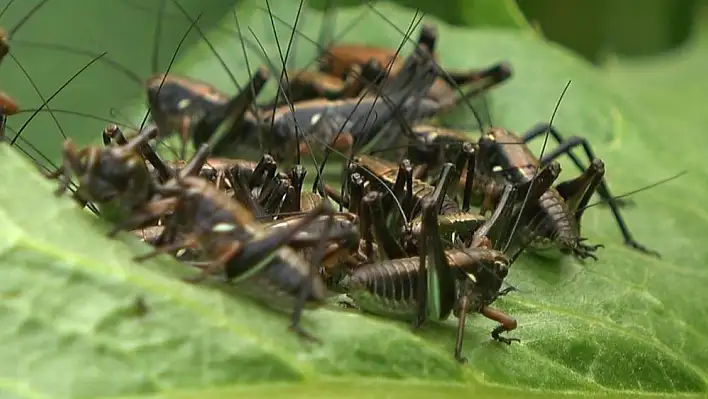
[(150, 211)]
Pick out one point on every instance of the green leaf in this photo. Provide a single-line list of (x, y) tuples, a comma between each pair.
[(626, 323)]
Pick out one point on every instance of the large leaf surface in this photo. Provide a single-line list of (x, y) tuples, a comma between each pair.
[(626, 322)]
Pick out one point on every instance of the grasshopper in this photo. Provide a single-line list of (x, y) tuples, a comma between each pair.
[(559, 210), (455, 220), (115, 174), (234, 242), (342, 243), (342, 61), (342, 123), (356, 119), (438, 281), (337, 60)]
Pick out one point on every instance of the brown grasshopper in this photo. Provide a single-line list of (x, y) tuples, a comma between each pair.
[(556, 221), (345, 62), (341, 58), (409, 192), (437, 281), (263, 262)]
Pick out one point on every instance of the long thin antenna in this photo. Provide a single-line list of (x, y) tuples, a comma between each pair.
[(537, 171), (19, 132), (39, 93)]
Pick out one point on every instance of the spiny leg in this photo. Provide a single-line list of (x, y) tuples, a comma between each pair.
[(113, 132), (461, 320), (432, 261), (577, 193), (307, 288), (565, 147), (468, 151), (444, 183), (241, 191)]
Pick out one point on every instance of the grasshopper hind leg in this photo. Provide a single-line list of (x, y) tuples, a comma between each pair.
[(566, 145), (307, 288)]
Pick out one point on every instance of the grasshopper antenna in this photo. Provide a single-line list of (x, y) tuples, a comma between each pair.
[(360, 143), (327, 27), (441, 71), (254, 108), (5, 37), (155, 58), (169, 66), (25, 18), (72, 50), (39, 93), (210, 45), (407, 34), (72, 187), (284, 71), (639, 190), (155, 61), (116, 113), (19, 132), (344, 31), (328, 148), (221, 60), (4, 9), (537, 171), (298, 128), (77, 113)]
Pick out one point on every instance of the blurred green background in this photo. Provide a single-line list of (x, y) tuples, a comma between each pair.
[(632, 28)]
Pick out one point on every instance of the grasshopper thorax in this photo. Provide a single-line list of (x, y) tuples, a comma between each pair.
[(480, 277)]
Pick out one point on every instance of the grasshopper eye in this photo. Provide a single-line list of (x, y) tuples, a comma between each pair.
[(501, 266), (223, 228), (472, 277), (193, 191), (183, 103)]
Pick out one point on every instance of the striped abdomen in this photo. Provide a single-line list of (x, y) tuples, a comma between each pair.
[(554, 223), (280, 282), (389, 289)]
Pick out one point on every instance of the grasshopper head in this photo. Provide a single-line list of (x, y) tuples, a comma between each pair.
[(482, 278)]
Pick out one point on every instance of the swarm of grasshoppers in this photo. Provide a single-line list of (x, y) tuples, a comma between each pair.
[(429, 234)]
